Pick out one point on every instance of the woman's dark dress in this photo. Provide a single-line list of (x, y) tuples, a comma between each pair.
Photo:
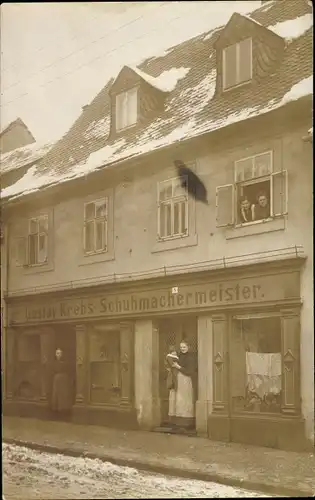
[(62, 396)]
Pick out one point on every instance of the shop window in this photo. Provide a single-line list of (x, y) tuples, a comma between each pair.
[(105, 370), (95, 226), (28, 368), (258, 193), (126, 109), (237, 64), (256, 365), (173, 208)]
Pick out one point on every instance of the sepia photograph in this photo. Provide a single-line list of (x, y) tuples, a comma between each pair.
[(157, 296)]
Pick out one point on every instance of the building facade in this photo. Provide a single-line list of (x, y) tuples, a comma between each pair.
[(118, 266)]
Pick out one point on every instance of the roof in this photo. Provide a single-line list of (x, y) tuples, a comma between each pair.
[(5, 126), (21, 157), (191, 107)]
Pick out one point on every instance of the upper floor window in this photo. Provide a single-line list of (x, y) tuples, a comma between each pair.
[(95, 226), (126, 109), (38, 240), (259, 193), (237, 64), (173, 208)]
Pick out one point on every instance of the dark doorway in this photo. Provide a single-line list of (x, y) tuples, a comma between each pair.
[(65, 339), (171, 332)]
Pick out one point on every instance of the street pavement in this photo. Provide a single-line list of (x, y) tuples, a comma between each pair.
[(36, 475), (253, 468)]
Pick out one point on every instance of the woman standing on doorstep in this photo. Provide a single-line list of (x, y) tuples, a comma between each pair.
[(185, 398), (62, 388)]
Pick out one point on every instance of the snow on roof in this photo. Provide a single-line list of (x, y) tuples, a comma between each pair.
[(293, 28), (98, 128), (300, 89), (22, 156), (189, 111), (149, 141), (166, 81), (266, 6), (251, 19)]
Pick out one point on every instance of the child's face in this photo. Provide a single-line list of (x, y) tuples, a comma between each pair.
[(245, 204)]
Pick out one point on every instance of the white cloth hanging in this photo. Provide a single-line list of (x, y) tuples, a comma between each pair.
[(263, 373)]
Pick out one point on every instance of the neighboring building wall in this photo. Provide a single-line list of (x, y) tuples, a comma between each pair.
[(15, 137), (133, 247)]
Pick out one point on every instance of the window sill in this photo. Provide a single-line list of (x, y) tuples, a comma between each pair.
[(95, 258), (38, 268), (264, 226), (183, 242)]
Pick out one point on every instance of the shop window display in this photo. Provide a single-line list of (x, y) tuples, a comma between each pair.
[(105, 373), (28, 373), (256, 365)]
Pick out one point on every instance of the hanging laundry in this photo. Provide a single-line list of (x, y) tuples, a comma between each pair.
[(263, 373)]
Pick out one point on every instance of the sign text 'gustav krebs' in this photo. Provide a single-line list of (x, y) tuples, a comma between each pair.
[(260, 289)]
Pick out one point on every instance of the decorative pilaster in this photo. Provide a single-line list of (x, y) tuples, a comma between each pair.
[(220, 363), (127, 363), (11, 348), (146, 374), (80, 363), (205, 371), (290, 322), (46, 351)]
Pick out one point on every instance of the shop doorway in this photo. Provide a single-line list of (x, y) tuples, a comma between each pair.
[(171, 332), (65, 339)]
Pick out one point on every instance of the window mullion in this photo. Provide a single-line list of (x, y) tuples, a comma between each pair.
[(94, 234), (172, 217), (238, 63)]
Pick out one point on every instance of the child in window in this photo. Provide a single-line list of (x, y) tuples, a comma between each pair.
[(246, 210), (262, 208)]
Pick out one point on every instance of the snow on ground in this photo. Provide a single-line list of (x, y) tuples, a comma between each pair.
[(41, 475), (293, 28)]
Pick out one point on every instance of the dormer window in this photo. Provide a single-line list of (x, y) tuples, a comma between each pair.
[(237, 64), (127, 109)]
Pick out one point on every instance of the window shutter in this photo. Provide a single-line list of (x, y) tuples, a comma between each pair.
[(279, 198), (229, 67), (245, 60), (21, 251), (225, 205)]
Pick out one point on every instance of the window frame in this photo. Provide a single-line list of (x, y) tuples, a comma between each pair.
[(38, 234), (184, 198), (289, 345), (255, 180), (119, 109), (117, 364), (238, 83), (104, 219)]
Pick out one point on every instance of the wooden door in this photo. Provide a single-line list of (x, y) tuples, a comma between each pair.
[(171, 332)]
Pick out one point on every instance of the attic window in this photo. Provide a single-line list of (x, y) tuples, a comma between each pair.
[(126, 109), (237, 64)]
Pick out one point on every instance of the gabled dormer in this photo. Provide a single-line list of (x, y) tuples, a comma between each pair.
[(246, 52), (135, 98)]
